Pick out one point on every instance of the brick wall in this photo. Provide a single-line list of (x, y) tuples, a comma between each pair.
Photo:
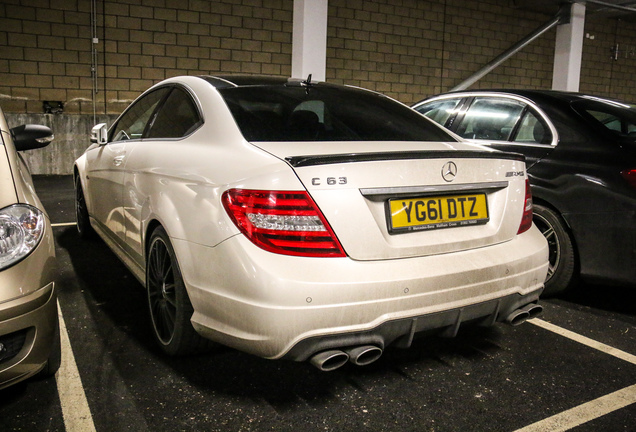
[(395, 47), (602, 72), (408, 49), (411, 49), (46, 47)]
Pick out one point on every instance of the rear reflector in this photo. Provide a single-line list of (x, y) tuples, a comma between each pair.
[(526, 219), (630, 176), (282, 222)]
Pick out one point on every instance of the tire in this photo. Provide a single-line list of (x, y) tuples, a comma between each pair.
[(561, 271), (168, 301), (84, 228)]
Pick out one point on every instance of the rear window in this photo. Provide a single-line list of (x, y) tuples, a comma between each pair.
[(325, 113), (617, 117)]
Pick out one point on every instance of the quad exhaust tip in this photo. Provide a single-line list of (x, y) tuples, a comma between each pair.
[(364, 355), (331, 360), (524, 313)]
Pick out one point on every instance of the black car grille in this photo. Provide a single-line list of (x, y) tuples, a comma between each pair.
[(11, 344)]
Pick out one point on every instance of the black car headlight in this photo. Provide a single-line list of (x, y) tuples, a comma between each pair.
[(21, 229)]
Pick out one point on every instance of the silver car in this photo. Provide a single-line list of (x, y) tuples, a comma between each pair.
[(29, 332), (307, 221)]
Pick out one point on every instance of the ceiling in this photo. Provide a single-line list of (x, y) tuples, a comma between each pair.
[(617, 9)]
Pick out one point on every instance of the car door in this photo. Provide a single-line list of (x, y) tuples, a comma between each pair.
[(509, 124), (148, 163), (105, 164)]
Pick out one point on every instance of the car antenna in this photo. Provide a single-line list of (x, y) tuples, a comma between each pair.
[(307, 82)]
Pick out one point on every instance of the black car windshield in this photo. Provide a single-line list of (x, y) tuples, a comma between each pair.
[(325, 113), (618, 117)]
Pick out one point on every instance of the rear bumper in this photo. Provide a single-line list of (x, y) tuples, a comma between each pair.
[(401, 332), (277, 306)]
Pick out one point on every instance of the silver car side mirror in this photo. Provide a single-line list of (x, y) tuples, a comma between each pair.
[(99, 134)]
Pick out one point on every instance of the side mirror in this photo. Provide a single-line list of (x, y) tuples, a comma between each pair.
[(99, 134), (31, 136)]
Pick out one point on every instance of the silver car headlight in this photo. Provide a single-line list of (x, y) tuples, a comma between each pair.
[(21, 229)]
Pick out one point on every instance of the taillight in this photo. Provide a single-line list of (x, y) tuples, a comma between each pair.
[(526, 219), (282, 222), (630, 176)]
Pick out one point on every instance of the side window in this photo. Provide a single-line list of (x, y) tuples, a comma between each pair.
[(613, 122), (177, 117), (490, 119), (132, 124), (533, 130), (619, 118), (439, 111)]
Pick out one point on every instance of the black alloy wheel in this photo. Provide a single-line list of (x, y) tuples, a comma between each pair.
[(561, 274), (84, 228), (170, 306)]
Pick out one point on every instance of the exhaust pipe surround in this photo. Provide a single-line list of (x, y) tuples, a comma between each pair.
[(524, 313), (517, 317), (364, 355), (534, 309), (329, 360)]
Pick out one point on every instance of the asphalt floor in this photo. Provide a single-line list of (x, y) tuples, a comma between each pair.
[(572, 369)]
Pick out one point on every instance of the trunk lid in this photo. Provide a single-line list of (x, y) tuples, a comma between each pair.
[(416, 199)]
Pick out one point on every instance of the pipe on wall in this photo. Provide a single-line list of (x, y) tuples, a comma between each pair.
[(559, 18)]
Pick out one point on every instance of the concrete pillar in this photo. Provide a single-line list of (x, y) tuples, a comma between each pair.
[(309, 44), (568, 51)]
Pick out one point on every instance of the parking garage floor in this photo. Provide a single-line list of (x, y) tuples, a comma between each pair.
[(572, 369)]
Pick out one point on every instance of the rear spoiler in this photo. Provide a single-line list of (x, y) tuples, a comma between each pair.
[(312, 160)]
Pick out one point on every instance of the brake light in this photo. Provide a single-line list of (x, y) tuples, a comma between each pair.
[(630, 176), (526, 219), (282, 222)]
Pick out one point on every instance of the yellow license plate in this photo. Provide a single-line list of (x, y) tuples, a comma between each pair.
[(436, 212)]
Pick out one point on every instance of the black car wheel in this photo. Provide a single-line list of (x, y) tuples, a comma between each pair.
[(84, 228), (170, 306), (561, 251)]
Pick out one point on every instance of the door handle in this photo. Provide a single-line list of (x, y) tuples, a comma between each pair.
[(118, 160)]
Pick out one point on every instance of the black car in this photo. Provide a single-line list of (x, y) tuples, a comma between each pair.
[(581, 160)]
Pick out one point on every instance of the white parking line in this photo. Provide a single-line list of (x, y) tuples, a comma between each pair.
[(75, 410), (63, 224), (591, 410), (585, 340), (584, 413)]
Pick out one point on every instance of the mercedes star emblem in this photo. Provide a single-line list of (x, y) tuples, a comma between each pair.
[(449, 171)]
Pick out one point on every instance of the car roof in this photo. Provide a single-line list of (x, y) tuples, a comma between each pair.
[(233, 81), (224, 81), (554, 95)]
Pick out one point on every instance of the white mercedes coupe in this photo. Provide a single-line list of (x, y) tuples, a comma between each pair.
[(307, 221)]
